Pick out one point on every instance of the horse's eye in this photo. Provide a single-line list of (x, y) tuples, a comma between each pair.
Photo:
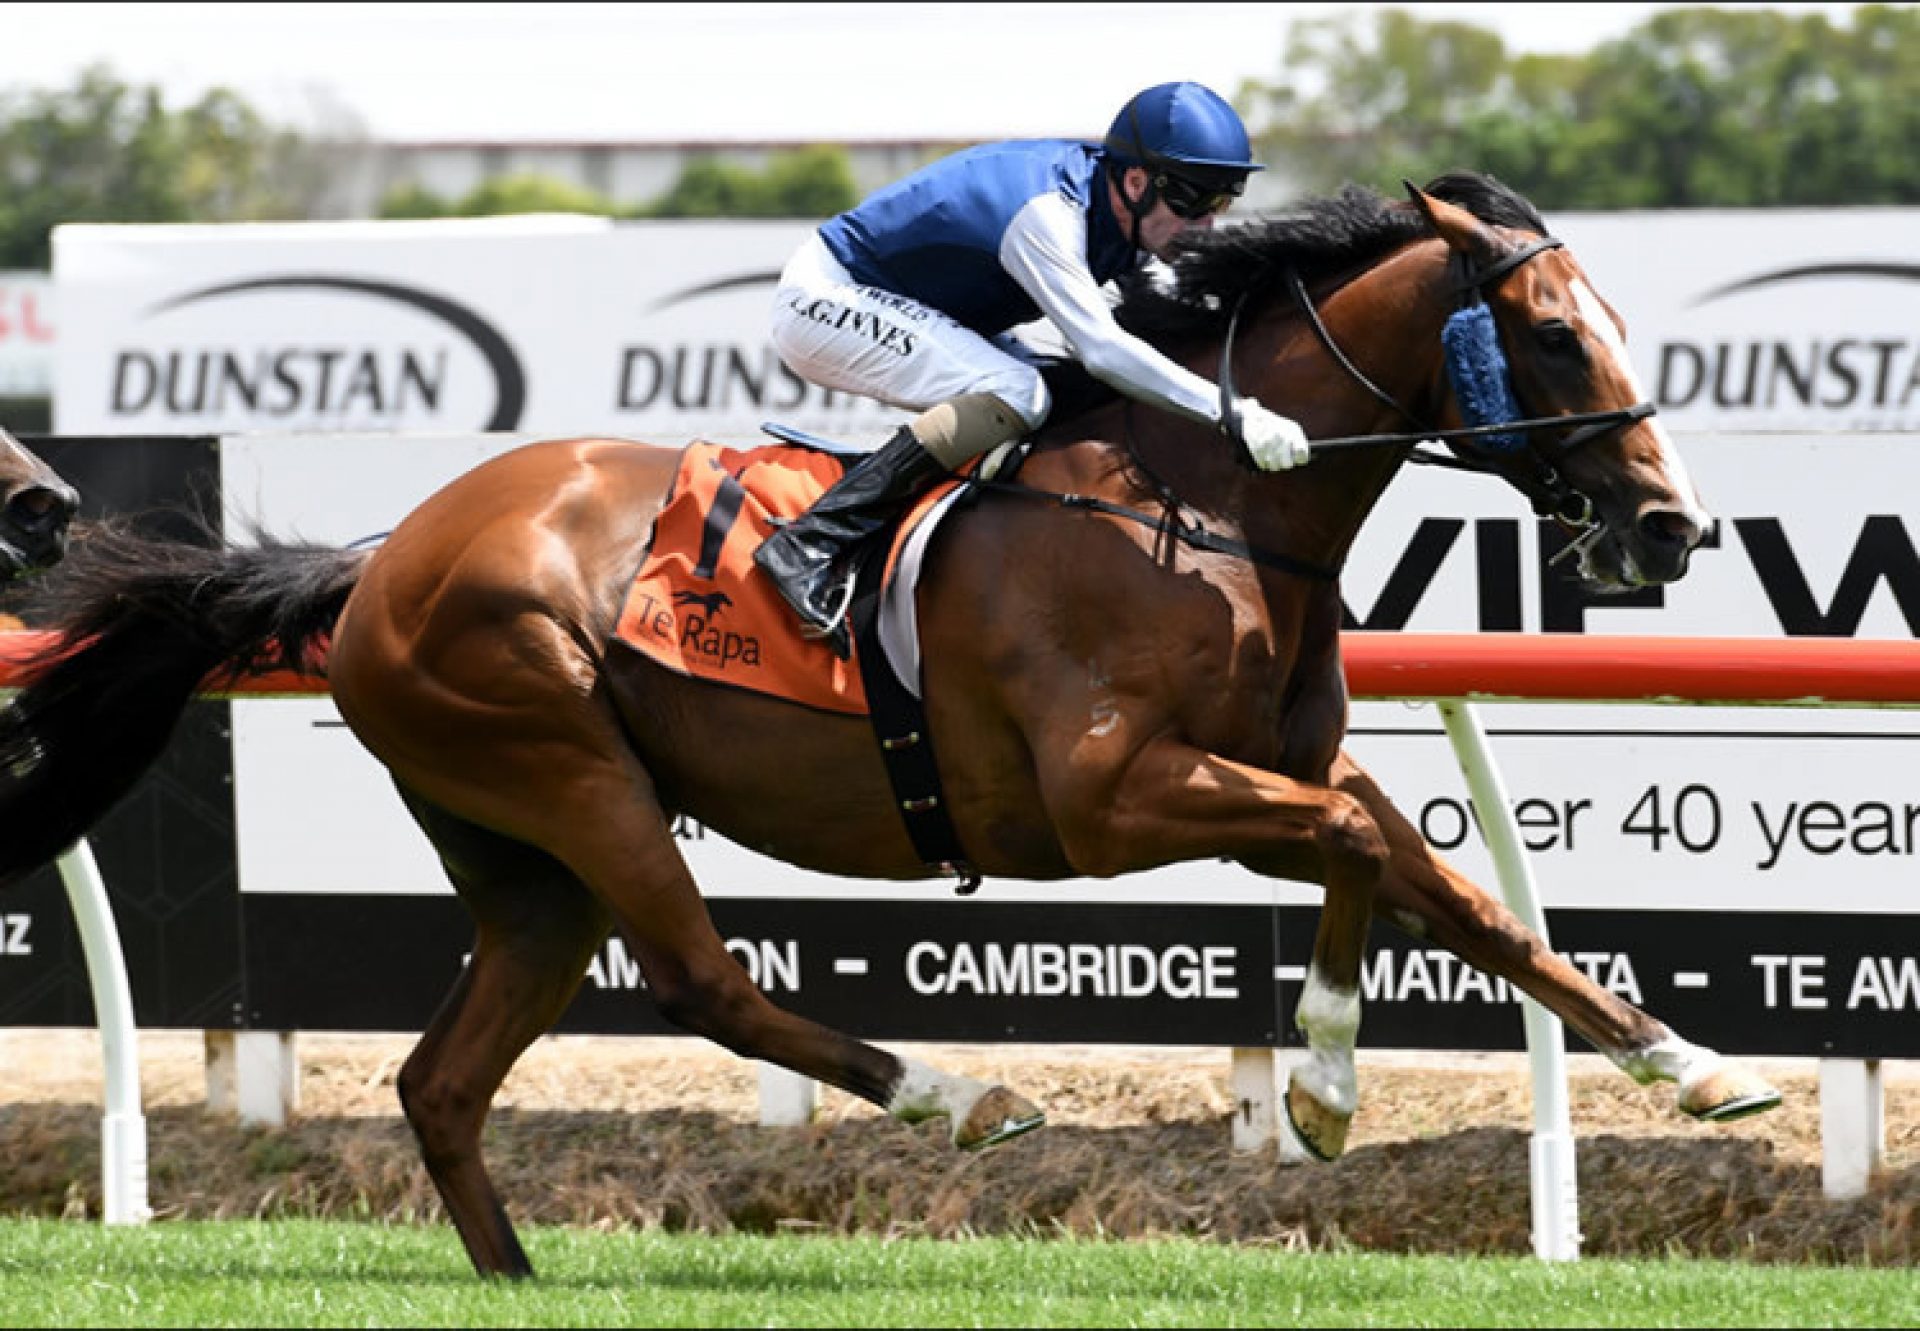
[(1556, 337)]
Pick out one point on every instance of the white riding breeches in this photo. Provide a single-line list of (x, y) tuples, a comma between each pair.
[(836, 333)]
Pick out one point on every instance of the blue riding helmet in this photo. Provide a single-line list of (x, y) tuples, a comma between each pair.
[(1184, 130)]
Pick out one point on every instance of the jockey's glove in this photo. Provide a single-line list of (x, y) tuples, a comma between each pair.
[(1274, 442)]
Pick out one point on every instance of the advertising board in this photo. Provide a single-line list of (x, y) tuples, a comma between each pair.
[(1782, 319)]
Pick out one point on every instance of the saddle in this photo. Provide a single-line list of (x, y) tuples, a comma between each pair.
[(700, 607)]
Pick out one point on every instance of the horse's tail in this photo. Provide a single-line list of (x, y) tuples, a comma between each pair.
[(140, 624)]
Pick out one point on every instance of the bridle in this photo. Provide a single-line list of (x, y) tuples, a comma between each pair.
[(1549, 493), (1542, 483)]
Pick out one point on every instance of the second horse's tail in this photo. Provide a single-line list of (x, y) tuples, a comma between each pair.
[(140, 624)]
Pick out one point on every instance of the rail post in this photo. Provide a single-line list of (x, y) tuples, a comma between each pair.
[(123, 1127), (1556, 1203)]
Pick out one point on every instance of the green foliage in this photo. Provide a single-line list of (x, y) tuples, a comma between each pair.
[(498, 196), (110, 151), (812, 182), (1695, 107), (412, 202)]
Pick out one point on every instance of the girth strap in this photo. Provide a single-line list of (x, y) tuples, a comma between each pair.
[(900, 726)]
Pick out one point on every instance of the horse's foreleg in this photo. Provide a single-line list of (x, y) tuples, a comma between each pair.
[(1174, 802), (1428, 898)]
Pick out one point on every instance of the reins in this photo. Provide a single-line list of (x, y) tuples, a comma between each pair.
[(1194, 534), (1550, 495)]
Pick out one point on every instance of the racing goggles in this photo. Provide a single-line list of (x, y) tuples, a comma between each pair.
[(1188, 200)]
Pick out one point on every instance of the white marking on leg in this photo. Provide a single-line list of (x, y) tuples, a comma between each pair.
[(1671, 1059), (1330, 1019), (923, 1092)]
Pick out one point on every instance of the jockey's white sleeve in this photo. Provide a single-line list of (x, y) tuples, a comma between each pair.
[(1043, 250)]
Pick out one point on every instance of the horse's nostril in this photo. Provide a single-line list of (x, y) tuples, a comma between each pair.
[(1669, 527), (40, 506)]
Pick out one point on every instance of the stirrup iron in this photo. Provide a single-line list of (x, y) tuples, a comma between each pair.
[(809, 629)]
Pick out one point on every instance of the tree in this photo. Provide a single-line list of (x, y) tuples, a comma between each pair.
[(110, 151), (810, 182), (1381, 103), (497, 196), (412, 201), (1694, 107)]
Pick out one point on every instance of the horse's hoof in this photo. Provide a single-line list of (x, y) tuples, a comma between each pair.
[(997, 1116), (1727, 1093), (1321, 1131)]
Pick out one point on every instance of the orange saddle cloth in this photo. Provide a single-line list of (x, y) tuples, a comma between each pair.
[(701, 607)]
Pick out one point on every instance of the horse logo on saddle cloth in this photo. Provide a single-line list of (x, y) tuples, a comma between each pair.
[(699, 606)]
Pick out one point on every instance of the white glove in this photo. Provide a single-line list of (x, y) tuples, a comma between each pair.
[(1275, 442)]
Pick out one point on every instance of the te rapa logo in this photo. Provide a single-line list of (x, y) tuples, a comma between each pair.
[(702, 636), (316, 351), (692, 624), (711, 603)]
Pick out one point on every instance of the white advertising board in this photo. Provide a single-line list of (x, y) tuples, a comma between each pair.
[(559, 325), (1630, 807), (1764, 319), (1796, 320), (27, 334)]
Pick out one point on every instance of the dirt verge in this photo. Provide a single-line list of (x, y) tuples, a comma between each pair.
[(658, 1132)]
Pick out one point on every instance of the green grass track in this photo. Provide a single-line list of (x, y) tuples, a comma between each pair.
[(307, 1273)]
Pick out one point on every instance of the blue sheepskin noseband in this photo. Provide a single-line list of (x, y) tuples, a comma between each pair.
[(1478, 371)]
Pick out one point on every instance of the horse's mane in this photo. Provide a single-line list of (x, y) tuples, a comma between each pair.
[(1317, 238)]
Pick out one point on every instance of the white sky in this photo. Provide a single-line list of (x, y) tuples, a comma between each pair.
[(689, 72)]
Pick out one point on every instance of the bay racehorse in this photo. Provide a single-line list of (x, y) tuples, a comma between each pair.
[(1146, 675), (36, 507)]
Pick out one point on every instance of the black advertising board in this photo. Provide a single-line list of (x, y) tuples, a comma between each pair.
[(979, 970), (167, 851)]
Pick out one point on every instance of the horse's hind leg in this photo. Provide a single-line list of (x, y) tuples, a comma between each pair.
[(553, 769), (618, 838), (536, 929), (1422, 894)]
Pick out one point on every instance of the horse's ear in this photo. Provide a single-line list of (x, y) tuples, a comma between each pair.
[(1421, 200), (1461, 230)]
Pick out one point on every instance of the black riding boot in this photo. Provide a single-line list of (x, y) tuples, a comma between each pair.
[(805, 558)]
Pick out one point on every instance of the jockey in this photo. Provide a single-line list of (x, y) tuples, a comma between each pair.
[(907, 298)]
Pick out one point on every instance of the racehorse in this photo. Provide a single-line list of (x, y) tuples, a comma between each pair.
[(1146, 673), (35, 509)]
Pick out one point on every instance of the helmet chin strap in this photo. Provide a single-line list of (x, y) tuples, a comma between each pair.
[(1141, 207), (1137, 209)]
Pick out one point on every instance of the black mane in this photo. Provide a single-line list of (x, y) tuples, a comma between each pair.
[(1317, 238)]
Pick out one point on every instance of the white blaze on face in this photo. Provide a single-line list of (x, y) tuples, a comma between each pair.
[(1594, 313)]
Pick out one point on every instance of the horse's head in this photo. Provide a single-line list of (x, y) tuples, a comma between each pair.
[(35, 508), (1545, 345)]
